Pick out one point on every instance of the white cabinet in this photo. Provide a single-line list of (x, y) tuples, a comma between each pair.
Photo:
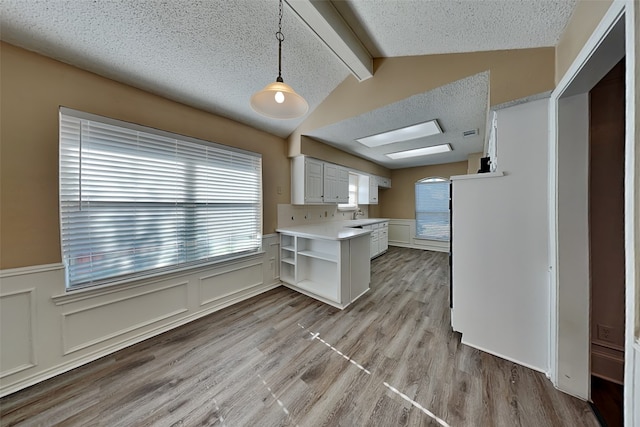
[(383, 237), (379, 238), (336, 184), (383, 182), (367, 190), (314, 182), (307, 180), (332, 271)]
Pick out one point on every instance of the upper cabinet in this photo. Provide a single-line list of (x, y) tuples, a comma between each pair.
[(367, 190), (383, 182), (314, 182), (336, 184), (307, 180)]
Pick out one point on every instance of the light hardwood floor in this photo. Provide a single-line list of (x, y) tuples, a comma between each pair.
[(281, 358)]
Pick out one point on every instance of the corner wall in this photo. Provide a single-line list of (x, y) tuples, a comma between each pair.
[(33, 87), (514, 74)]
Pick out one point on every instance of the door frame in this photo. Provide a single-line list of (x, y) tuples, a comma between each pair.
[(596, 57)]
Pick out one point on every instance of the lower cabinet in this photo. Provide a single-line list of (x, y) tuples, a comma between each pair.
[(332, 271), (379, 238)]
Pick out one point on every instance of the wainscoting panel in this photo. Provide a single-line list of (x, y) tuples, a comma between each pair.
[(17, 325), (220, 285), (46, 331), (96, 323), (402, 233)]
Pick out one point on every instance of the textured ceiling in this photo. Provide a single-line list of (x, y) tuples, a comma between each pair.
[(214, 55), (417, 27), (211, 55), (458, 106)]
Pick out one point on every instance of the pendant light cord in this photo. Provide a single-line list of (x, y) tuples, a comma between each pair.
[(280, 38)]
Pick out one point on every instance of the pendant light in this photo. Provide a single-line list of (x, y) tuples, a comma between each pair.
[(278, 100)]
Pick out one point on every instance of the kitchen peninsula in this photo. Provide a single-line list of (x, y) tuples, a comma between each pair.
[(328, 261)]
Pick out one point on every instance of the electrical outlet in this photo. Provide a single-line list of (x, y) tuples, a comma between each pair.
[(605, 333)]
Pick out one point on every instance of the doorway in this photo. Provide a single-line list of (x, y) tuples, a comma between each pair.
[(606, 243)]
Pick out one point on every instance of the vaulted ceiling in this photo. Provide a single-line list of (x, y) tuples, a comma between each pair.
[(214, 55)]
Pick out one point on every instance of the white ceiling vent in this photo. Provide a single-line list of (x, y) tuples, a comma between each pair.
[(468, 133)]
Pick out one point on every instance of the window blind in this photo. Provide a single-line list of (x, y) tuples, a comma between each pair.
[(432, 209), (135, 201)]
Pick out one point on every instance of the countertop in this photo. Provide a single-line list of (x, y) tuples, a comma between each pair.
[(333, 230)]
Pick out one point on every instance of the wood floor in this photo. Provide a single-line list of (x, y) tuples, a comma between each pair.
[(608, 400), (283, 359)]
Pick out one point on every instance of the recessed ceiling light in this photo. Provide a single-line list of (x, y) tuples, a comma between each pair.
[(434, 149), (419, 130)]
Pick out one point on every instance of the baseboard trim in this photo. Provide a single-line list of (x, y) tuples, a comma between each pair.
[(502, 356), (423, 247)]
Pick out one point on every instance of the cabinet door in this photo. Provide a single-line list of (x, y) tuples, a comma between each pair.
[(373, 191), (313, 180), (375, 246), (383, 238), (384, 182), (330, 194), (343, 185), (336, 184)]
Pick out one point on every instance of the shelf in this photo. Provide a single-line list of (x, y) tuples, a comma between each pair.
[(286, 278), (318, 289), (289, 248), (291, 261), (319, 255)]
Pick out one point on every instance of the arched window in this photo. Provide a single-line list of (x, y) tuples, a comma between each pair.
[(432, 209)]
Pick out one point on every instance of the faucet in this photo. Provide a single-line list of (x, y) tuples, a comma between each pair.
[(357, 213)]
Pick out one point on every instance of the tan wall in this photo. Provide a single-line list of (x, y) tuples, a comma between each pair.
[(473, 163), (399, 201), (514, 74), (331, 154), (33, 87), (586, 17)]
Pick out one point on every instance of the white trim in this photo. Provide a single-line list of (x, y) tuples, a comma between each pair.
[(510, 359), (20, 271), (477, 176), (632, 220), (74, 295), (610, 19)]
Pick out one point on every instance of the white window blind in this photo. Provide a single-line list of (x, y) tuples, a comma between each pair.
[(137, 201), (432, 209)]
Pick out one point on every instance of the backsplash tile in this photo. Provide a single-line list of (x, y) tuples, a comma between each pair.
[(292, 215)]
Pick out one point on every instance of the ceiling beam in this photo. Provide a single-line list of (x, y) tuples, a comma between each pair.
[(324, 20)]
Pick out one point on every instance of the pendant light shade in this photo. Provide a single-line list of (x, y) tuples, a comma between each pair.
[(278, 100)]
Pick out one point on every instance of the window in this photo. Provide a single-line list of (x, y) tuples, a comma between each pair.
[(353, 194), (136, 201), (432, 209)]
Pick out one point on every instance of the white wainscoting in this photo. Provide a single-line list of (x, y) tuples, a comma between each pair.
[(402, 232), (46, 332)]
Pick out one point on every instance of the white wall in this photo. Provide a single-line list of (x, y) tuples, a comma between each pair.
[(45, 332), (500, 244)]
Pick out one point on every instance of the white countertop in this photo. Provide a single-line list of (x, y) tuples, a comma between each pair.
[(333, 230)]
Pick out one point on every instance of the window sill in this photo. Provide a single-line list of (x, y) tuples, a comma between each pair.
[(74, 295)]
